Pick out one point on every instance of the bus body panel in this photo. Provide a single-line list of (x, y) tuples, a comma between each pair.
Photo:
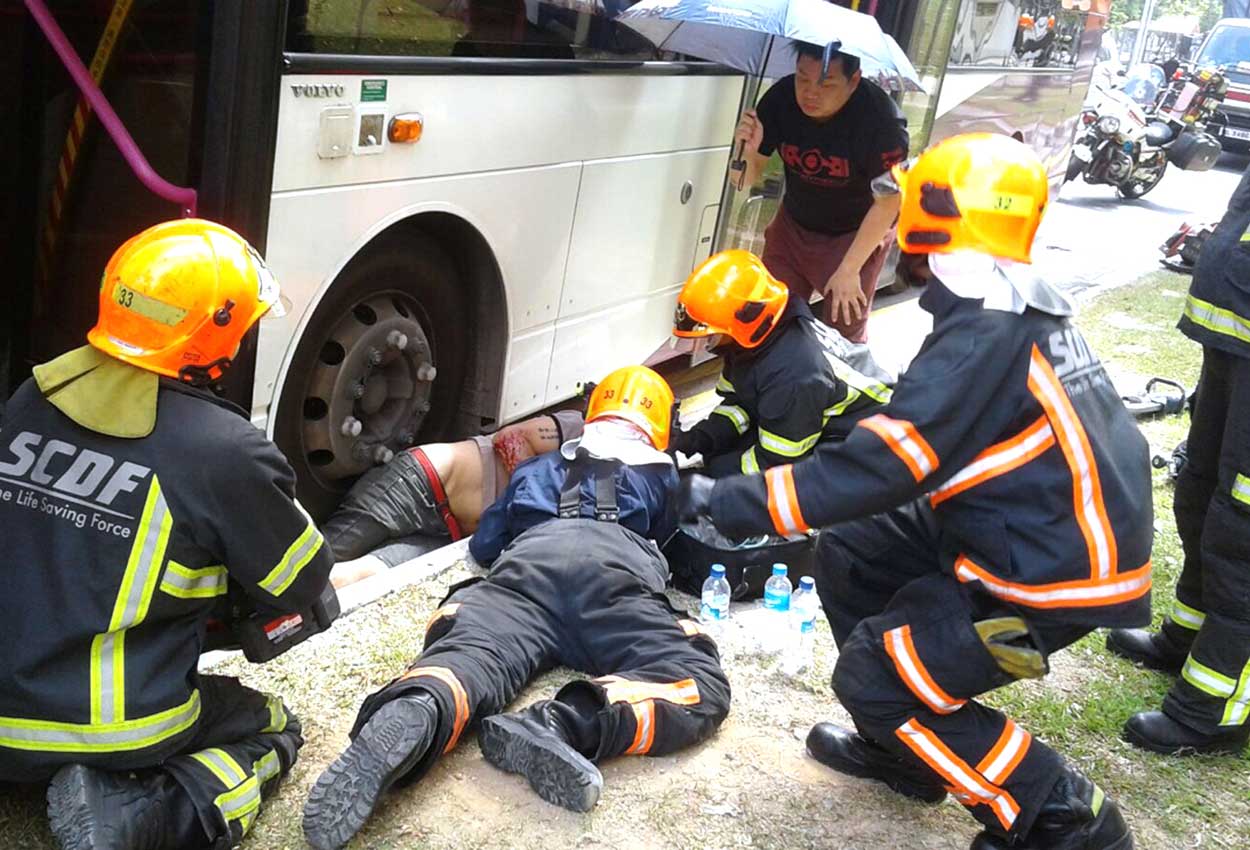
[(560, 119), (595, 239)]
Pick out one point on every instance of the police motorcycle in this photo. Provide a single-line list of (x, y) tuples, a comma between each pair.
[(1128, 136)]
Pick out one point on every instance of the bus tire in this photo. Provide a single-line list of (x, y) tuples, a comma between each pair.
[(379, 368)]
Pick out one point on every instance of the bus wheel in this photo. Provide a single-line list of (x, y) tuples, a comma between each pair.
[(378, 369)]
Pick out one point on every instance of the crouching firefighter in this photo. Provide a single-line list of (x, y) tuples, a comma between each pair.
[(788, 382), (136, 495), (994, 512), (575, 580)]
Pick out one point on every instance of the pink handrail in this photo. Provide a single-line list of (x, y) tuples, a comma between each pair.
[(183, 196)]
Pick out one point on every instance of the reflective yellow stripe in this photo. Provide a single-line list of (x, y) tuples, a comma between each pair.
[(228, 771), (1217, 319), (49, 736), (852, 396), (108, 650), (1241, 489), (736, 415), (1207, 680), (750, 465), (277, 715), (297, 556), (1238, 707), (1186, 616), (723, 386), (780, 445), (187, 583), (268, 767)]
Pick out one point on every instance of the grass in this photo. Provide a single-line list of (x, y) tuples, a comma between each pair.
[(1081, 708)]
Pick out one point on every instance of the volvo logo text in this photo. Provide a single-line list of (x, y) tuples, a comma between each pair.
[(317, 89)]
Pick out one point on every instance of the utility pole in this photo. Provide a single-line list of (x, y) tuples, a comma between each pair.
[(1143, 29)]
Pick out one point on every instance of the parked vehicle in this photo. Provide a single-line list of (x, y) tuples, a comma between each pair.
[(1132, 133), (1227, 48)]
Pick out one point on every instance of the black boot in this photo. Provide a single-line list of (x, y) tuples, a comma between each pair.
[(1155, 731), (389, 745), (851, 753), (1149, 649), (548, 743), (93, 809), (1075, 816)]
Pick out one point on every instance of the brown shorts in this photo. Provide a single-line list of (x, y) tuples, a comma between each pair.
[(805, 260)]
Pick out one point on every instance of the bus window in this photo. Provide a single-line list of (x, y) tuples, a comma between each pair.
[(493, 29)]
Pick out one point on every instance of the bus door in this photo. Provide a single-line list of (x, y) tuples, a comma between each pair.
[(76, 199)]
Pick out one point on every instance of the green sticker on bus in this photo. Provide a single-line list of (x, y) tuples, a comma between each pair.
[(147, 306), (372, 91)]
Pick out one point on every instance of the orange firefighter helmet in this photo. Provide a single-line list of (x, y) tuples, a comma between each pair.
[(731, 293), (637, 394), (975, 192), (178, 298)]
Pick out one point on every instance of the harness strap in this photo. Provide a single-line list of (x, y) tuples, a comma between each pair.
[(606, 509), (440, 495)]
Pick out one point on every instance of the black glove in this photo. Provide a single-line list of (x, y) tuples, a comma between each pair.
[(694, 497), (689, 443)]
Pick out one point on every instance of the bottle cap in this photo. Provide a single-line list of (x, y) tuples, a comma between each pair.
[(718, 570), (807, 583), (779, 569)]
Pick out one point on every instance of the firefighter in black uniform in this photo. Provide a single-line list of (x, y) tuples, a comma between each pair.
[(575, 579), (1206, 637), (788, 381), (994, 512), (128, 495)]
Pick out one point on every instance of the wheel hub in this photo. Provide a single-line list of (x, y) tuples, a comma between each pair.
[(369, 390)]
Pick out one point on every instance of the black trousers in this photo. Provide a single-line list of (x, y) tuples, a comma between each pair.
[(241, 747), (911, 664), (586, 595), (1211, 614)]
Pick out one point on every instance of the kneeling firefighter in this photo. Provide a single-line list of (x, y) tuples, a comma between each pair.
[(994, 512), (133, 495), (788, 381), (575, 579)]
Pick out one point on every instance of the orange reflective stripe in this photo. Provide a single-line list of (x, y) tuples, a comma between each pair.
[(783, 501), (1091, 513), (956, 771), (691, 628), (915, 676), (998, 459), (1084, 593), (685, 692), (1001, 761), (458, 692), (446, 611), (902, 438), (644, 728)]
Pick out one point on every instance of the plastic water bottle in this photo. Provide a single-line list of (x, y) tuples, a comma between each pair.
[(777, 604), (803, 607), (714, 610)]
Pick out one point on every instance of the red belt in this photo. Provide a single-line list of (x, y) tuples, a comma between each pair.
[(440, 495)]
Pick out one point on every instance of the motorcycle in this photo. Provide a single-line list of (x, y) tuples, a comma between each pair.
[(1131, 134)]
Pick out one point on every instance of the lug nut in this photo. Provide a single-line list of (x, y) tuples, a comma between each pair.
[(375, 357), (358, 389), (423, 407), (396, 339), (381, 454), (427, 372), (352, 427), (408, 438)]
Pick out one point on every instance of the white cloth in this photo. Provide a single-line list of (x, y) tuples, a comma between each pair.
[(1002, 284), (614, 438)]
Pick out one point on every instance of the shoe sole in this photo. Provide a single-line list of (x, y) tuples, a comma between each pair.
[(346, 794), (69, 808), (1231, 748), (911, 790), (1147, 661), (559, 774)]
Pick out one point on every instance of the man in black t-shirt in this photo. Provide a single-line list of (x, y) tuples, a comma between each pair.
[(835, 133)]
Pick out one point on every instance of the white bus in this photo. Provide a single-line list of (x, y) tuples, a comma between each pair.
[(564, 183)]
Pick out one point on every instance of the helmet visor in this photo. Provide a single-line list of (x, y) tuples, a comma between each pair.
[(688, 326), (268, 293)]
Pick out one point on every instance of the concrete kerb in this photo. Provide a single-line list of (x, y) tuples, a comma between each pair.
[(376, 587)]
